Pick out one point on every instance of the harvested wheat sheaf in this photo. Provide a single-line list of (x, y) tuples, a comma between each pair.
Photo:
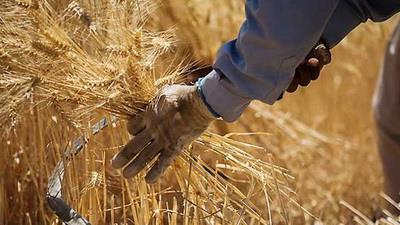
[(63, 64)]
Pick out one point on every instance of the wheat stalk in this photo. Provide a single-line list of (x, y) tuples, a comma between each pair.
[(86, 60)]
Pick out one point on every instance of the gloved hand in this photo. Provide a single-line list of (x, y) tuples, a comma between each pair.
[(311, 67), (170, 123)]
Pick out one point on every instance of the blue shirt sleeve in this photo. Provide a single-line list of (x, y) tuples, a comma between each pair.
[(350, 13), (273, 41)]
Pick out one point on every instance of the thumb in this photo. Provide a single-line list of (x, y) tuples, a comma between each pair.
[(314, 62)]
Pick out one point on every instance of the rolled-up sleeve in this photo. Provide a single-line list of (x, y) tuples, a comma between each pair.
[(260, 63)]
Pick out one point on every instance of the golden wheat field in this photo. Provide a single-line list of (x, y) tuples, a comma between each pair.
[(72, 72)]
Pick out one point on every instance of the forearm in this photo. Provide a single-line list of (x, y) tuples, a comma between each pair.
[(260, 63), (273, 41)]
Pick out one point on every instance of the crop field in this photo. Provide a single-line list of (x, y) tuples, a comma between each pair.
[(72, 72)]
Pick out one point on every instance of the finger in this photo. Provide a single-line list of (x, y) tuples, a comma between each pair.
[(160, 166), (315, 72), (136, 124), (293, 85), (292, 88), (131, 149), (313, 62), (144, 157), (323, 54), (304, 75)]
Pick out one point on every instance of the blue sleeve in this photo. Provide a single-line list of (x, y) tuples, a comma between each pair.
[(260, 63), (275, 38), (350, 13)]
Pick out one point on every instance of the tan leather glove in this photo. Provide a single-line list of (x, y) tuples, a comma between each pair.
[(170, 123)]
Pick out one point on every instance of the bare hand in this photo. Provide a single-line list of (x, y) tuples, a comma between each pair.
[(311, 67)]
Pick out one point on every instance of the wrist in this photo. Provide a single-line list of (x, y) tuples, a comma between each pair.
[(196, 110), (203, 100), (219, 96)]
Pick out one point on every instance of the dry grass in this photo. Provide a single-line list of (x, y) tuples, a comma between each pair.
[(342, 164), (65, 64)]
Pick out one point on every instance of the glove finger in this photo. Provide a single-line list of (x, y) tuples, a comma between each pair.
[(136, 124), (134, 146), (160, 166), (143, 158)]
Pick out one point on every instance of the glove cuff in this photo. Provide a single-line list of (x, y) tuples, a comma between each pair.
[(203, 110), (220, 99)]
